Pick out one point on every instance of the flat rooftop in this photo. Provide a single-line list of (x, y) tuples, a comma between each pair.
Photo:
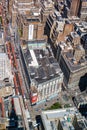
[(81, 98), (81, 28), (68, 58), (40, 62), (53, 115)]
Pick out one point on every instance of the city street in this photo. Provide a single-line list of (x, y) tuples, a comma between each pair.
[(63, 98), (35, 109)]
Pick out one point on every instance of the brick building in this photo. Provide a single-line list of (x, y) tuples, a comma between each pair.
[(74, 8), (30, 26), (71, 57), (77, 8), (47, 7), (21, 6)]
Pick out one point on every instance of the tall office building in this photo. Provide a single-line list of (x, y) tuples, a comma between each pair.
[(77, 8), (74, 8), (47, 7)]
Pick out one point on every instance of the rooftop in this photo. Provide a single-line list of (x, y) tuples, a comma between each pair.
[(41, 64), (64, 115), (81, 28), (66, 124), (73, 52), (81, 99), (32, 15), (70, 61)]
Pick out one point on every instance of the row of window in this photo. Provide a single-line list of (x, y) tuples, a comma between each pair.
[(48, 91)]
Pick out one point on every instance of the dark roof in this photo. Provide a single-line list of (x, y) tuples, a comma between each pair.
[(68, 58), (47, 68)]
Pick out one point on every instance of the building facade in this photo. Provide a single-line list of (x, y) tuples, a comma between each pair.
[(30, 26), (20, 6)]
